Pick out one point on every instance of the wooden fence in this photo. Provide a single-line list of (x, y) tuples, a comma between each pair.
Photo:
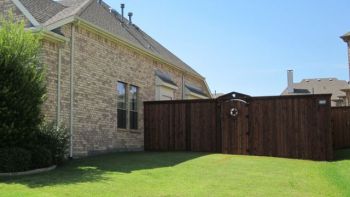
[(341, 127), (283, 126)]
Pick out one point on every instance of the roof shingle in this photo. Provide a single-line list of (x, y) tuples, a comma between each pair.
[(42, 10)]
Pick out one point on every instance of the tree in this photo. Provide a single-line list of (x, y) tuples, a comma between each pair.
[(22, 84)]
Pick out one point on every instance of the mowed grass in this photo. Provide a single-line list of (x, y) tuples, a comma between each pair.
[(187, 174)]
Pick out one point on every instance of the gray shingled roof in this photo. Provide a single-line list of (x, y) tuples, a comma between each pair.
[(101, 17), (72, 8), (319, 86), (48, 12), (42, 10)]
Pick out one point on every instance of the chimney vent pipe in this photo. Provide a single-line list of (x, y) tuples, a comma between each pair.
[(290, 88), (130, 14), (122, 6)]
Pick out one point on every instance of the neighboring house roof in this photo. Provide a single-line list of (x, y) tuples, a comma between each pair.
[(319, 86), (49, 12), (301, 91)]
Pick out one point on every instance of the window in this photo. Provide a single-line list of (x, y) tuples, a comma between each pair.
[(121, 105), (133, 107)]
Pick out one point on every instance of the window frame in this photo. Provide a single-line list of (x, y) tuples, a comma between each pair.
[(133, 107), (122, 118)]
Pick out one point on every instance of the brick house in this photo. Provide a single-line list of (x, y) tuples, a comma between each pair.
[(100, 69)]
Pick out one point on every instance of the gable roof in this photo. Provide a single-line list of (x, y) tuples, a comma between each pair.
[(319, 86), (49, 12)]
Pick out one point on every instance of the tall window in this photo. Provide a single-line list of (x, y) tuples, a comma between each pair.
[(121, 105), (133, 107)]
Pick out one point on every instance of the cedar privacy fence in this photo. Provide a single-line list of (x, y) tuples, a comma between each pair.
[(341, 127), (280, 126)]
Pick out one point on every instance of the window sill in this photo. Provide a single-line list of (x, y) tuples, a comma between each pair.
[(129, 130)]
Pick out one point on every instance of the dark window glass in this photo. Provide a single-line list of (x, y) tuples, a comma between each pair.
[(121, 105), (133, 107)]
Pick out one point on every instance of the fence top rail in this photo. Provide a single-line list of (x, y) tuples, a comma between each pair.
[(293, 96), (181, 101), (341, 107), (253, 98)]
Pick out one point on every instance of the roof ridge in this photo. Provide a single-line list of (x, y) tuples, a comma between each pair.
[(70, 10), (83, 7)]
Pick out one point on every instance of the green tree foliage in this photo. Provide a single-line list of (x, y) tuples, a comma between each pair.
[(22, 87)]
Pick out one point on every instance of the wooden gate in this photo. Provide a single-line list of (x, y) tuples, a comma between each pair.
[(234, 126)]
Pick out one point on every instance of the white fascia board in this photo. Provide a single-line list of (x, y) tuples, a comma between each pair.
[(60, 23)]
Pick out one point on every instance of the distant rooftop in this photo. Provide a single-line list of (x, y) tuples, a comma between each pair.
[(330, 85)]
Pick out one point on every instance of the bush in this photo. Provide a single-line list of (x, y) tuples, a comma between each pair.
[(14, 160), (22, 87), (56, 140), (41, 157)]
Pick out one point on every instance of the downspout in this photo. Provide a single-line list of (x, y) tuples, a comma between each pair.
[(58, 118), (349, 59), (183, 87), (71, 122)]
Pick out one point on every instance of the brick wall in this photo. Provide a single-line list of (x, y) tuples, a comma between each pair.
[(99, 64), (6, 6)]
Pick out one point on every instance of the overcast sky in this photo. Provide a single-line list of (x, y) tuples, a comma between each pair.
[(247, 46)]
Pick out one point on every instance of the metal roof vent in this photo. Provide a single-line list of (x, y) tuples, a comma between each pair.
[(122, 6), (307, 80), (318, 79), (330, 79), (130, 14)]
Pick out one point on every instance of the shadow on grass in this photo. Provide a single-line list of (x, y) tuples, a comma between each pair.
[(343, 154), (94, 169)]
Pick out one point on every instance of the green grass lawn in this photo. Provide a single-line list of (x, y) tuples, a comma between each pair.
[(187, 174)]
